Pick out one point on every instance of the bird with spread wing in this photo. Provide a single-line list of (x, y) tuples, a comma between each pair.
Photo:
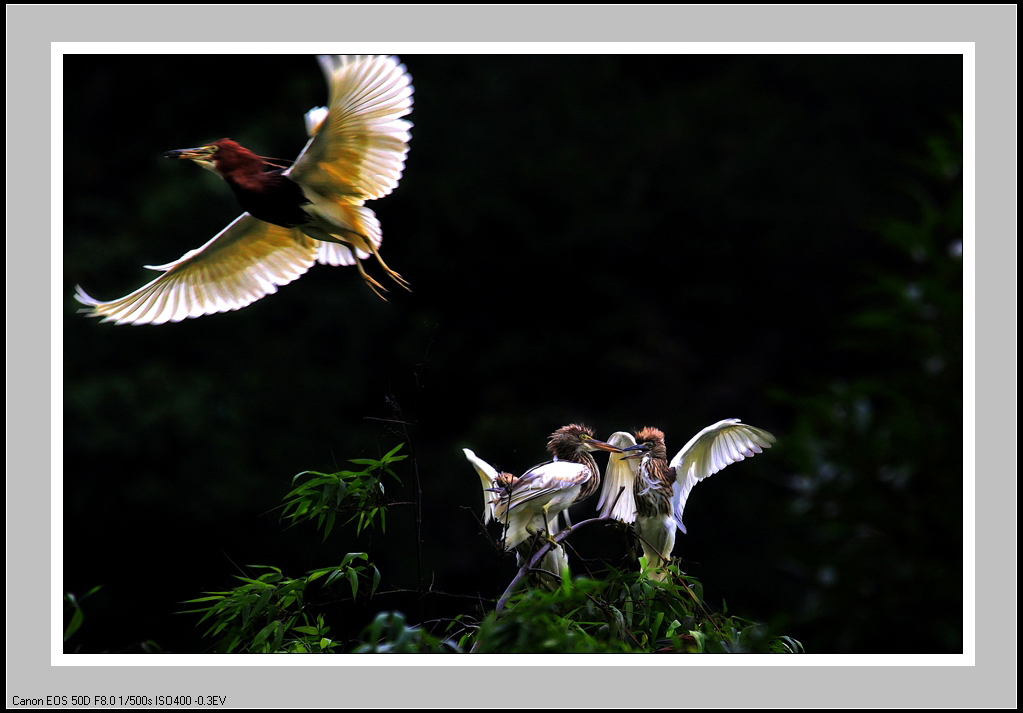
[(643, 489), (530, 504), (294, 217)]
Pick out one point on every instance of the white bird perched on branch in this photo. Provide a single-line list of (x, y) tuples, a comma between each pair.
[(531, 503), (295, 217), (641, 487)]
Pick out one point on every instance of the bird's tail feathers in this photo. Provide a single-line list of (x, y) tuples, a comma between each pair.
[(336, 254), (346, 231), (488, 478)]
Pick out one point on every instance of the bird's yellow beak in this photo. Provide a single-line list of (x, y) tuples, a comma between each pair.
[(594, 444), (201, 153), (203, 156)]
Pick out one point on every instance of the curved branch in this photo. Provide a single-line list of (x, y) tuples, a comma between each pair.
[(535, 560)]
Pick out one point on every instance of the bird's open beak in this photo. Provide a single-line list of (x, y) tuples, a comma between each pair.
[(202, 153), (637, 451)]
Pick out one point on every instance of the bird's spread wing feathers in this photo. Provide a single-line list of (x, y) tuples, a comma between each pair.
[(247, 260), (488, 479), (619, 477), (314, 120), (357, 150), (710, 450)]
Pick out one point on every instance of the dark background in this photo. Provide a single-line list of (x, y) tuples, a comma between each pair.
[(621, 241)]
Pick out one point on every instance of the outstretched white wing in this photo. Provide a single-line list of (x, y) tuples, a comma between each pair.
[(358, 143), (619, 477), (247, 260), (710, 450)]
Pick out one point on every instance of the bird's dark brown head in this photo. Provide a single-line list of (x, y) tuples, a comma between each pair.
[(653, 438), (505, 480), (569, 441)]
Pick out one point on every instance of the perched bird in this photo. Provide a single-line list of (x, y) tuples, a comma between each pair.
[(532, 502), (555, 561), (641, 487), (294, 217)]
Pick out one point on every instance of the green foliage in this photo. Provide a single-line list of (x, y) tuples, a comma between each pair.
[(621, 613), (72, 606), (626, 612), (74, 615), (356, 495), (389, 634), (878, 449), (269, 614)]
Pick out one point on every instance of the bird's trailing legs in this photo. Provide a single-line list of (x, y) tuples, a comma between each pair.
[(358, 242), (377, 288), (390, 273)]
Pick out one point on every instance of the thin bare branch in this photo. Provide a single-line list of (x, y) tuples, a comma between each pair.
[(538, 556)]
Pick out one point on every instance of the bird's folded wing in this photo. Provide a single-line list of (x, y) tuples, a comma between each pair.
[(488, 479), (544, 482), (247, 260), (710, 450), (619, 478), (357, 151)]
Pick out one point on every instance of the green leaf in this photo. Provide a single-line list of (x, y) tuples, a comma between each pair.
[(279, 636), (376, 581), (390, 453), (354, 555), (264, 633), (76, 621), (261, 602), (310, 472), (353, 577)]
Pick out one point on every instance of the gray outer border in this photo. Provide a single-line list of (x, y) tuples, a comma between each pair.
[(30, 29)]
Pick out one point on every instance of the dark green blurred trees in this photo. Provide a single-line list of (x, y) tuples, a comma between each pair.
[(878, 449)]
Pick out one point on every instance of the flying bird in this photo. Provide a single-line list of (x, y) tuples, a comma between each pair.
[(294, 217), (531, 503), (642, 488)]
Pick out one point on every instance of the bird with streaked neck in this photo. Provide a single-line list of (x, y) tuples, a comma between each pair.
[(294, 217), (529, 505), (642, 488)]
